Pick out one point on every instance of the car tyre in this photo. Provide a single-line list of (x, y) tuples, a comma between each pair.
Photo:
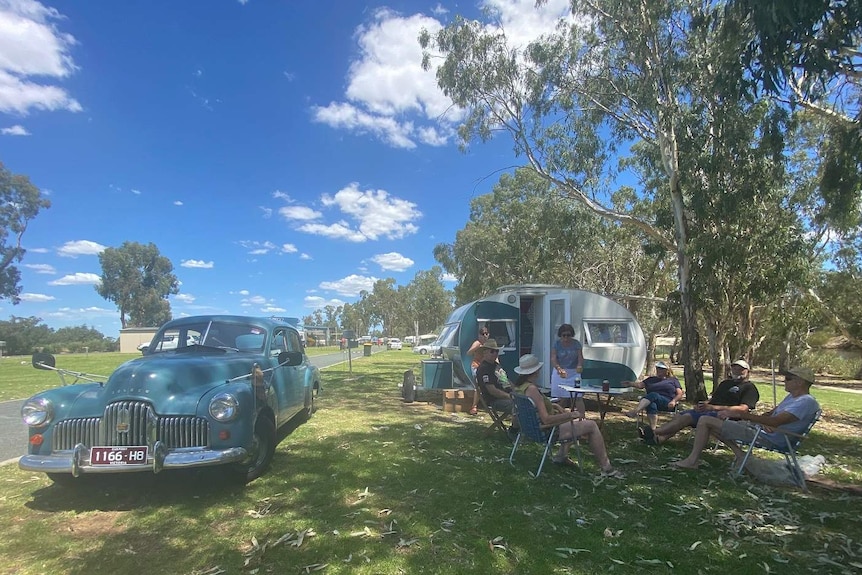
[(309, 404), (262, 451), (423, 351)]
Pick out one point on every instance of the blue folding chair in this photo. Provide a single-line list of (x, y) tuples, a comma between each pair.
[(531, 429), (788, 450)]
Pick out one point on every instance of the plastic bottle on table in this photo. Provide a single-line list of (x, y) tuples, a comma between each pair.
[(577, 379)]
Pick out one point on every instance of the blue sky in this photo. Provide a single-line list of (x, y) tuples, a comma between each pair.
[(283, 155)]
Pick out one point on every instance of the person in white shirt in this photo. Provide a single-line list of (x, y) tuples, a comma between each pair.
[(793, 414)]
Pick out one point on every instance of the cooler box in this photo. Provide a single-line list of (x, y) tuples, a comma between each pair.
[(437, 373)]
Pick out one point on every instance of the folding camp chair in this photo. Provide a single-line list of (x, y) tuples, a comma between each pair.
[(642, 420), (788, 450), (498, 418), (531, 429)]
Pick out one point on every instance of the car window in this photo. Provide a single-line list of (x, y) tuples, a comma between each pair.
[(293, 341), (279, 343)]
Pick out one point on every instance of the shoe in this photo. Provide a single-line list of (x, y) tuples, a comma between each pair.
[(648, 436), (568, 462), (642, 432), (473, 410)]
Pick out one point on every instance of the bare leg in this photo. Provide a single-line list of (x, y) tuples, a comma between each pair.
[(642, 404), (588, 428), (673, 427), (653, 419), (706, 427), (579, 405)]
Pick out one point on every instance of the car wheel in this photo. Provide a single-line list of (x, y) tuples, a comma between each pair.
[(423, 351), (309, 404), (262, 451)]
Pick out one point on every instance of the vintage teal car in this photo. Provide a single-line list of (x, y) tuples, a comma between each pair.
[(216, 395)]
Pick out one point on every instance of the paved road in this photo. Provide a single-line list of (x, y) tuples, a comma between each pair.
[(13, 432)]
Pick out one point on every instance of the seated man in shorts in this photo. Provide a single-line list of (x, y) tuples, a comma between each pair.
[(734, 395), (794, 414)]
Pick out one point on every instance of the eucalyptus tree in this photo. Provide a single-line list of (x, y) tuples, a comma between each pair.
[(20, 202), (615, 74), (426, 301), (138, 279)]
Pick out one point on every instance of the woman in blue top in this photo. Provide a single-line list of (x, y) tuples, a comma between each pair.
[(663, 392), (567, 359)]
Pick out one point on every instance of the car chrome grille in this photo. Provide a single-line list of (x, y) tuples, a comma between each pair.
[(130, 423)]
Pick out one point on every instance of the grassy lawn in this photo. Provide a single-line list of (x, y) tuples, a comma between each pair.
[(373, 485)]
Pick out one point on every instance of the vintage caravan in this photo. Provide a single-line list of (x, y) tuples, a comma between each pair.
[(525, 319)]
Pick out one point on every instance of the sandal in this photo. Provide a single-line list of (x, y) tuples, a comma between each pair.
[(473, 410), (568, 462)]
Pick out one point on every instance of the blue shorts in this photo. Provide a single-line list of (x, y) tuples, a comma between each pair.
[(696, 415), (658, 402)]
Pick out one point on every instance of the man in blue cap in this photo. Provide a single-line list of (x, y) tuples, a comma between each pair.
[(732, 396)]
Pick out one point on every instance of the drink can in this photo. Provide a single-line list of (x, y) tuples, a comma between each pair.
[(606, 385)]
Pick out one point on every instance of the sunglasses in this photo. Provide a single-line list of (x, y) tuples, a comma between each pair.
[(483, 333), (494, 350)]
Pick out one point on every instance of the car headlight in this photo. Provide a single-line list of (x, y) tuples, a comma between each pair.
[(37, 412), (224, 407)]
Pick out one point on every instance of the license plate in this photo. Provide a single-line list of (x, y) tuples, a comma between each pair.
[(118, 455)]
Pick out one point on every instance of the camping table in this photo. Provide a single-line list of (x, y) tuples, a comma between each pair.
[(603, 406)]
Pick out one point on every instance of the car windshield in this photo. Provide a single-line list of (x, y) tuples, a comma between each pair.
[(223, 335)]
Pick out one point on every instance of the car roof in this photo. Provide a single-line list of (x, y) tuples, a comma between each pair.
[(264, 322)]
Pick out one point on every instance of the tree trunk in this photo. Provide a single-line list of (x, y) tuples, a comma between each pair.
[(694, 386)]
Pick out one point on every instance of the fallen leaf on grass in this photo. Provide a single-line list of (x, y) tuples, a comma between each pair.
[(694, 546), (406, 542), (315, 567)]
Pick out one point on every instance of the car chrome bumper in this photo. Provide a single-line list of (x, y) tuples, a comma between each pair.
[(78, 461)]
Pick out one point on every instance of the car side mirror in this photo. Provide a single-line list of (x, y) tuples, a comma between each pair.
[(290, 358), (43, 360)]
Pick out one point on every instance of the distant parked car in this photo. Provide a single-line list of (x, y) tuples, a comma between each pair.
[(427, 349), (394, 343), (219, 400)]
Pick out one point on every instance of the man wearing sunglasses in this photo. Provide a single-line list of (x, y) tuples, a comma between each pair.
[(486, 377), (795, 412)]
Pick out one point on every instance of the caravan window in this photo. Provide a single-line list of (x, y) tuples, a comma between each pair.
[(605, 332), (449, 336), (501, 331)]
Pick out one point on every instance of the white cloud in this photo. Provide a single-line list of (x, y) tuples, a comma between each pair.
[(279, 195), (288, 248), (16, 130), (80, 248), (41, 268), (243, 292), (449, 278), (372, 213), (299, 213), (36, 297), (267, 212), (377, 213), (392, 261), (31, 46), (184, 298), (390, 96), (196, 264), (178, 203), (136, 192), (317, 302), (272, 309), (257, 248), (76, 279), (305, 256), (255, 300), (351, 285)]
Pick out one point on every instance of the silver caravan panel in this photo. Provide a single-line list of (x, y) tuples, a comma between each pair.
[(525, 319)]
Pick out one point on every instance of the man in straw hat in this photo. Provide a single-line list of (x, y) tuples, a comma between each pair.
[(734, 395), (793, 414), (489, 382)]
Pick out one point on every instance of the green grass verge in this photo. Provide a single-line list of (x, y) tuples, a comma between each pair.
[(373, 485)]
